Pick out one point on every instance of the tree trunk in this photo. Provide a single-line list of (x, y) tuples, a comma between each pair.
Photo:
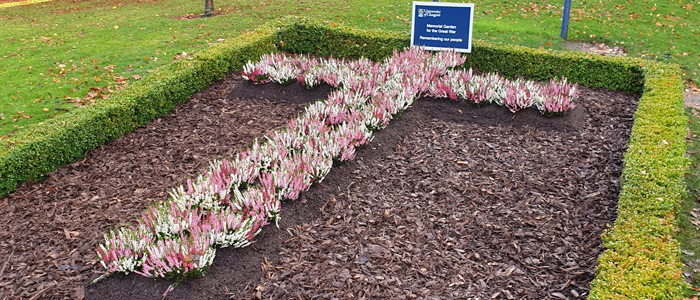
[(208, 8)]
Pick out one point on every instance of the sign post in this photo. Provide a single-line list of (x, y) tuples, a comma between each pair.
[(565, 19), (442, 25)]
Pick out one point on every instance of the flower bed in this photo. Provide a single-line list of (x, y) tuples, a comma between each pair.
[(652, 179), (229, 204)]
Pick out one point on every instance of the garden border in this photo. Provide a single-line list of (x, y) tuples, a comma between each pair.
[(641, 259)]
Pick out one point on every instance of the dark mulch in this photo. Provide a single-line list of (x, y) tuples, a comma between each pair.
[(448, 202), (446, 206)]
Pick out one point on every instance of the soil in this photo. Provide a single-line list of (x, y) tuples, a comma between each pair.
[(449, 202), (596, 48)]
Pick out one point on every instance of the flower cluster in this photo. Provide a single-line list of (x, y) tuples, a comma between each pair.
[(553, 98), (558, 97), (278, 68), (228, 204)]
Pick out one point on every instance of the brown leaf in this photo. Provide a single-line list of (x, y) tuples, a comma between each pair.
[(694, 87), (120, 79), (136, 77), (79, 293)]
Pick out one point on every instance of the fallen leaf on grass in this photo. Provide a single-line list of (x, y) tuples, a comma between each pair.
[(136, 77), (181, 56), (694, 214), (695, 223), (120, 80)]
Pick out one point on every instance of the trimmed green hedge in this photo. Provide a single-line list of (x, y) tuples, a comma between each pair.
[(325, 39), (538, 64), (641, 260)]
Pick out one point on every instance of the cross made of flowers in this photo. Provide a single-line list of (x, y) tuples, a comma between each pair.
[(228, 204)]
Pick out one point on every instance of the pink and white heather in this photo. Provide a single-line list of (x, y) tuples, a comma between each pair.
[(227, 205)]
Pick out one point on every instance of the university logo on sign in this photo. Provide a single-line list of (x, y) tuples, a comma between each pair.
[(442, 26)]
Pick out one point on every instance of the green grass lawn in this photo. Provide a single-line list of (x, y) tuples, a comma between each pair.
[(58, 55)]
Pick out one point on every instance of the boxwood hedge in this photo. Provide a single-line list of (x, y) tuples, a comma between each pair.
[(641, 258)]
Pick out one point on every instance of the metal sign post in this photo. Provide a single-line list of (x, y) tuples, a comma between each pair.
[(565, 19)]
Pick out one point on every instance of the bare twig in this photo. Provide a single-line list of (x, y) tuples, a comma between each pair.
[(2, 271), (39, 293)]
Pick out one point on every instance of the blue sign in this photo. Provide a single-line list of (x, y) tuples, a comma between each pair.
[(442, 26)]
